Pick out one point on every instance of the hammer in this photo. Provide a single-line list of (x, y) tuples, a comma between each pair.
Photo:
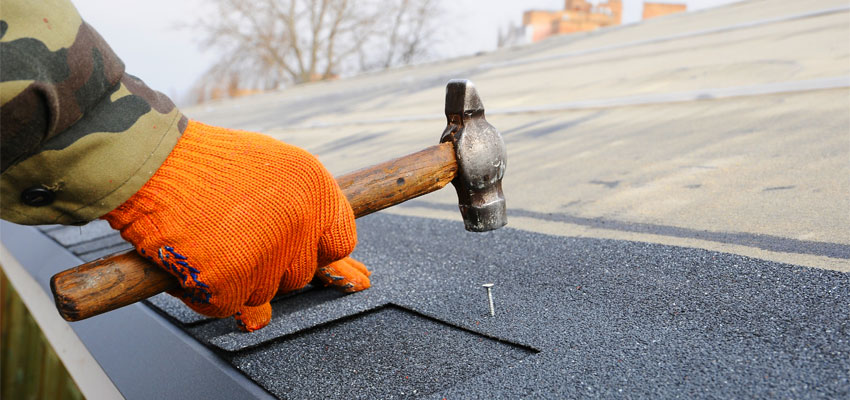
[(471, 155)]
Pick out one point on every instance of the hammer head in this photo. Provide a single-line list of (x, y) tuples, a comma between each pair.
[(481, 158)]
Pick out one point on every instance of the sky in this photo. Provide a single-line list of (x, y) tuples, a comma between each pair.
[(146, 34)]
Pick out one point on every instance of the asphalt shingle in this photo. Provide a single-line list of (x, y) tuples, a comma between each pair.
[(586, 317)]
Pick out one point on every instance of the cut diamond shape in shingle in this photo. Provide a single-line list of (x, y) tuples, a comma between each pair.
[(384, 353)]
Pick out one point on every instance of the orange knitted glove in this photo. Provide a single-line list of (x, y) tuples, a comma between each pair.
[(237, 216)]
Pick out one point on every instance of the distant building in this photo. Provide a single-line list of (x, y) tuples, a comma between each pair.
[(651, 10), (577, 16), (581, 15)]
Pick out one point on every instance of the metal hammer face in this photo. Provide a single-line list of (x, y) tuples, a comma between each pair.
[(481, 158)]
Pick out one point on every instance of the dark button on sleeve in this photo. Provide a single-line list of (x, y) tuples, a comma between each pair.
[(37, 196)]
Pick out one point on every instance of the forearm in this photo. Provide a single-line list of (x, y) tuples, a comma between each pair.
[(74, 125)]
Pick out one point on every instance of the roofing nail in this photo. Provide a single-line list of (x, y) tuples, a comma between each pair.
[(489, 286)]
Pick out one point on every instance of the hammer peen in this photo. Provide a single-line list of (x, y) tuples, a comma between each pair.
[(471, 155)]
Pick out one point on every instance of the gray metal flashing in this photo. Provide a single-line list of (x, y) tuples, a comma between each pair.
[(144, 355), (86, 373)]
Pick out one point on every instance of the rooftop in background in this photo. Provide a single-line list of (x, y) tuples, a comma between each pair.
[(698, 129), (582, 16)]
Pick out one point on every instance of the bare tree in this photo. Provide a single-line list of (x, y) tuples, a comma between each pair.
[(267, 44), (411, 26)]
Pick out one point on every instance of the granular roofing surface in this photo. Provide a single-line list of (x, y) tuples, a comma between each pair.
[(574, 317)]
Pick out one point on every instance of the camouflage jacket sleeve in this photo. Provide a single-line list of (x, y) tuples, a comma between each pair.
[(78, 135)]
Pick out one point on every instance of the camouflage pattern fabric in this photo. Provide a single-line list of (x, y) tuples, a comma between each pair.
[(71, 120)]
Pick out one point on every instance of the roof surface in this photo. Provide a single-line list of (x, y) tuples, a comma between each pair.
[(575, 317), (678, 218), (724, 129)]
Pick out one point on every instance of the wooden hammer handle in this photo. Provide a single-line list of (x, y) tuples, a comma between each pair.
[(124, 278)]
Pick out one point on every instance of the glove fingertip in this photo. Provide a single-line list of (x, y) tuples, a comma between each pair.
[(341, 276), (250, 319), (359, 266)]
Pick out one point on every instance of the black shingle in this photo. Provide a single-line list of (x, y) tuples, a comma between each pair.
[(605, 316)]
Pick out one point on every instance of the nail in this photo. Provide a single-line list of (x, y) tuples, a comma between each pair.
[(489, 287)]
